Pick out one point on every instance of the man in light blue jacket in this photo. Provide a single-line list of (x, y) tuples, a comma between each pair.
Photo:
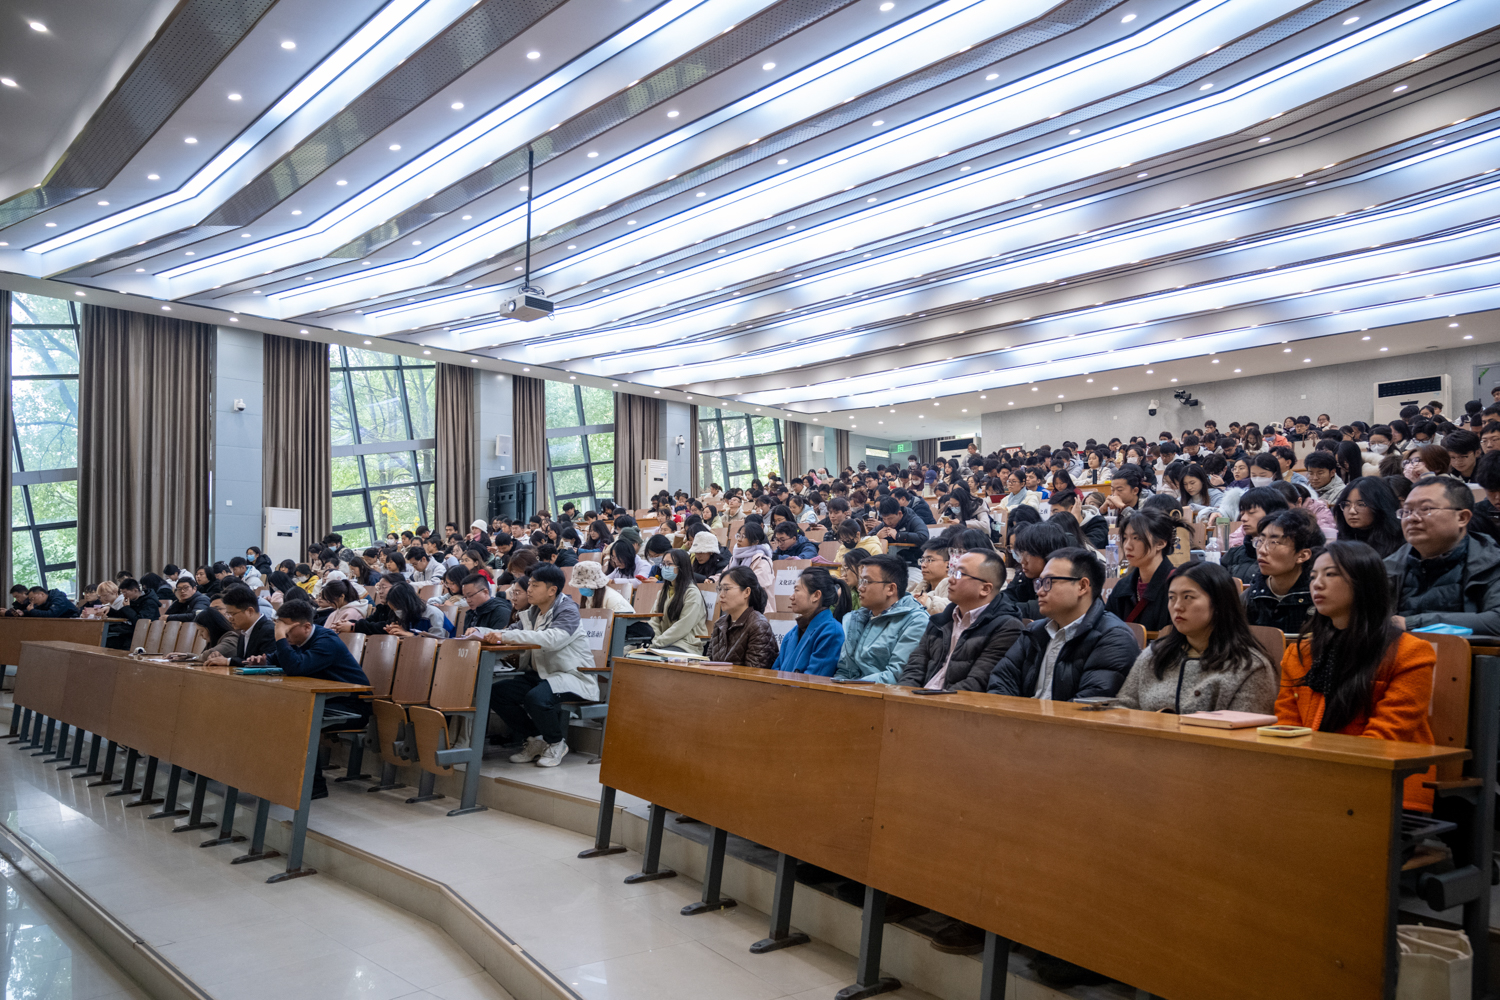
[(882, 634)]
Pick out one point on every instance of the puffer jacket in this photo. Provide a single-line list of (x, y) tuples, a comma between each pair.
[(1093, 665), (876, 647), (979, 648)]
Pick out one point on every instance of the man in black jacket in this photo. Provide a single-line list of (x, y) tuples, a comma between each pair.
[(1255, 505), (139, 604), (1279, 593), (914, 503), (985, 630), (1078, 650), (257, 634), (189, 604), (900, 528), (49, 604), (484, 611)]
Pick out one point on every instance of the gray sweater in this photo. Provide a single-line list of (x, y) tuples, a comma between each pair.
[(1202, 691)]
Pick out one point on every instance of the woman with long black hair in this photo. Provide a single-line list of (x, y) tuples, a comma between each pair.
[(820, 601), (1209, 661), (680, 604), (1353, 671), (1366, 512)]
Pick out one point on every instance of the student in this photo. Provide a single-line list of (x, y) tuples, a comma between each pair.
[(880, 636), (1140, 596), (256, 633), (1322, 475), (424, 569), (594, 590), (486, 609), (684, 614), (222, 638), (901, 528), (1208, 661), (190, 602), (1078, 649), (1278, 594), (1032, 545), (1255, 504), (751, 551), (820, 602), (1366, 512), (741, 633), (623, 564), (932, 590), (136, 604), (1016, 493), (531, 701), (790, 543), (396, 610), (246, 573), (708, 558), (1445, 573), (343, 602), (1128, 488), (968, 636), (1354, 671)]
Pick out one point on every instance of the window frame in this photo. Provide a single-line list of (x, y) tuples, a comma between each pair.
[(590, 499), (713, 462), (24, 480)]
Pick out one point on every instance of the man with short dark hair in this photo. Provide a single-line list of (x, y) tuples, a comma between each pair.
[(901, 528), (1279, 593), (1322, 475), (965, 640), (1127, 489), (880, 635), (1464, 449), (914, 502), (49, 604), (484, 610), (1444, 574), (788, 542), (137, 603), (257, 634), (1255, 504), (424, 569), (190, 602), (245, 571), (1078, 649)]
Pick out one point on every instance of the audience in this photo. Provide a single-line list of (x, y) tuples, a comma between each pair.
[(1444, 574), (1353, 670), (880, 636), (1366, 511), (820, 603), (965, 640), (681, 612), (741, 633), (1140, 596), (256, 633), (1208, 661)]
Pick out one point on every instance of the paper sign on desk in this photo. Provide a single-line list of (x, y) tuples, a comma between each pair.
[(594, 629), (786, 579), (780, 627)]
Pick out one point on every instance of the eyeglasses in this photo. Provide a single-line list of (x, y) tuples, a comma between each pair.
[(931, 561), (1270, 541), (956, 573), (865, 581), (1043, 584), (1352, 506), (1420, 513)]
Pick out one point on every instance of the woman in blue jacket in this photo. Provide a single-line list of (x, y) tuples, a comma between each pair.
[(819, 601)]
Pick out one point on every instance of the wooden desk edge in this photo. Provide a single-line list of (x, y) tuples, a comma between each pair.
[(312, 685)]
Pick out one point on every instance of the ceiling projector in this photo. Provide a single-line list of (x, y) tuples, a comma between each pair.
[(528, 307)]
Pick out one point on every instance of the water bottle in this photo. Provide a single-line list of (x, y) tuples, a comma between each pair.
[(1212, 552), (1112, 558)]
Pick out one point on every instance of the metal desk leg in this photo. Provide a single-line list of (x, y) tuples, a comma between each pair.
[(355, 770), (226, 822), (93, 764), (47, 741), (148, 787), (782, 935), (294, 867), (74, 763), (15, 721), (38, 720), (128, 785), (484, 679), (604, 827), (713, 877), (871, 932), (18, 734), (108, 777), (62, 744), (996, 963), (258, 850), (195, 814), (651, 869), (174, 779), (425, 785)]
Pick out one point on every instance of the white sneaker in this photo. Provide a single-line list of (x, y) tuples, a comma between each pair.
[(534, 748), (554, 754)]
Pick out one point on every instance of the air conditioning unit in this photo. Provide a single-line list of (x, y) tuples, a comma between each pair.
[(653, 478), (958, 448), (817, 443), (1391, 397)]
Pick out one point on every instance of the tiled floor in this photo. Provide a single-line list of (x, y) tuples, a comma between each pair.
[(43, 956), (221, 924)]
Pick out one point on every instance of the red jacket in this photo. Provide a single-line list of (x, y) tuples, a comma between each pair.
[(1402, 700)]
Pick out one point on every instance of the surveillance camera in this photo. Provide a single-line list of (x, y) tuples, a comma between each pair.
[(239, 405), (1151, 407)]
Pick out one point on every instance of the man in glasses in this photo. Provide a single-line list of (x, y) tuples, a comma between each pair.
[(880, 635), (1444, 574), (1279, 594), (1077, 649)]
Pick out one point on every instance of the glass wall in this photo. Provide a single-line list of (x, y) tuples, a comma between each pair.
[(734, 448), (382, 412), (44, 442), (580, 445)]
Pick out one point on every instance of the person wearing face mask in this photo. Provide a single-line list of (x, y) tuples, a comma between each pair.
[(1265, 469), (594, 590), (656, 549), (680, 605)]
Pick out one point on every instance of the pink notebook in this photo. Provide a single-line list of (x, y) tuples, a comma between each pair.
[(1227, 720)]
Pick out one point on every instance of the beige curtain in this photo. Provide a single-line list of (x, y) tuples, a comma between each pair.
[(926, 450), (637, 430), (296, 461), (529, 418), (841, 450), (455, 446), (697, 484), (794, 443), (145, 425), (6, 567)]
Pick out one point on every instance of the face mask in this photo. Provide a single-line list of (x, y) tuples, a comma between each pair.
[(654, 560), (1379, 449), (1260, 481), (585, 591), (301, 578), (669, 573)]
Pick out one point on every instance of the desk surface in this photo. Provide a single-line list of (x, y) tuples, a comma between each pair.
[(14, 631)]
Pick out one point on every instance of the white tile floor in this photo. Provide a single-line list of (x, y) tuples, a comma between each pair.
[(44, 956), (320, 938)]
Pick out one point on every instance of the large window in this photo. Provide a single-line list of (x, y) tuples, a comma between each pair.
[(382, 411), (44, 442), (580, 445), (734, 448)]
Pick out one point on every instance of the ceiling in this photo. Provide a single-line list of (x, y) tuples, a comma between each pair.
[(828, 209)]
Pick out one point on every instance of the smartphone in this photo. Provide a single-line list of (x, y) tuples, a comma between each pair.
[(851, 680), (1285, 732)]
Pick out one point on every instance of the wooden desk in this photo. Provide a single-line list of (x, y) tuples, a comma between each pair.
[(1172, 859), (14, 631), (257, 734), (786, 760)]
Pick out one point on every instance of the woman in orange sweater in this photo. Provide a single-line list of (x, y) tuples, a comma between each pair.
[(1353, 671)]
